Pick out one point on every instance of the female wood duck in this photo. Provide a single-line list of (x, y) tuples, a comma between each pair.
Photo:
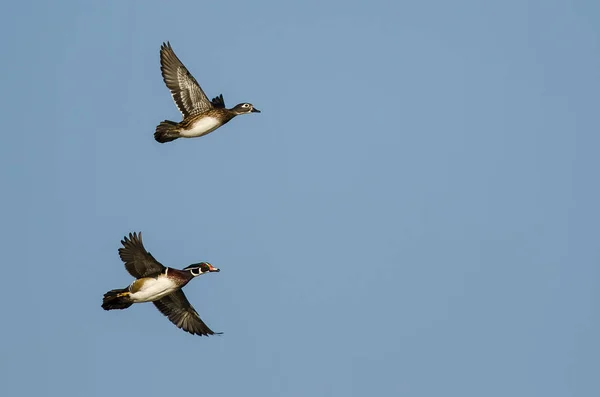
[(200, 116), (158, 284)]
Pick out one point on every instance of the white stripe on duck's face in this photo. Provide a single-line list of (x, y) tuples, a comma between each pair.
[(149, 289), (198, 269), (201, 127)]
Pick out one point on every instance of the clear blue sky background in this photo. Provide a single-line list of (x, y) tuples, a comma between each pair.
[(415, 212)]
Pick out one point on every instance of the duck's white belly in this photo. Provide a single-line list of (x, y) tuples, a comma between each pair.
[(151, 289), (201, 127)]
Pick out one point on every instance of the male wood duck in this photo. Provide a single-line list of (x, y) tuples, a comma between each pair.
[(158, 284), (200, 116)]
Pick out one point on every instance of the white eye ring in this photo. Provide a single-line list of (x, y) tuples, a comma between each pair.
[(245, 105)]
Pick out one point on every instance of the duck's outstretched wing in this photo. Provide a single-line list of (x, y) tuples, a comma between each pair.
[(181, 313), (186, 92), (138, 262)]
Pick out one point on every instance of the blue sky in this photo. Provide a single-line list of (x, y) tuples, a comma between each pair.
[(414, 212)]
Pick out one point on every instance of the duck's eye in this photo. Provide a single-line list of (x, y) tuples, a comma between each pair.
[(245, 105)]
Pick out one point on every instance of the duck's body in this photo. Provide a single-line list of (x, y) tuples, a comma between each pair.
[(158, 284), (200, 116), (150, 289), (202, 125)]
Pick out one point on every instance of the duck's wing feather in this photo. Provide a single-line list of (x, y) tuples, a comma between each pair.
[(186, 92), (218, 102), (138, 262), (181, 313)]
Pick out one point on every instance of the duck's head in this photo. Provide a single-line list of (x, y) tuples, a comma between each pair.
[(244, 108), (198, 269)]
